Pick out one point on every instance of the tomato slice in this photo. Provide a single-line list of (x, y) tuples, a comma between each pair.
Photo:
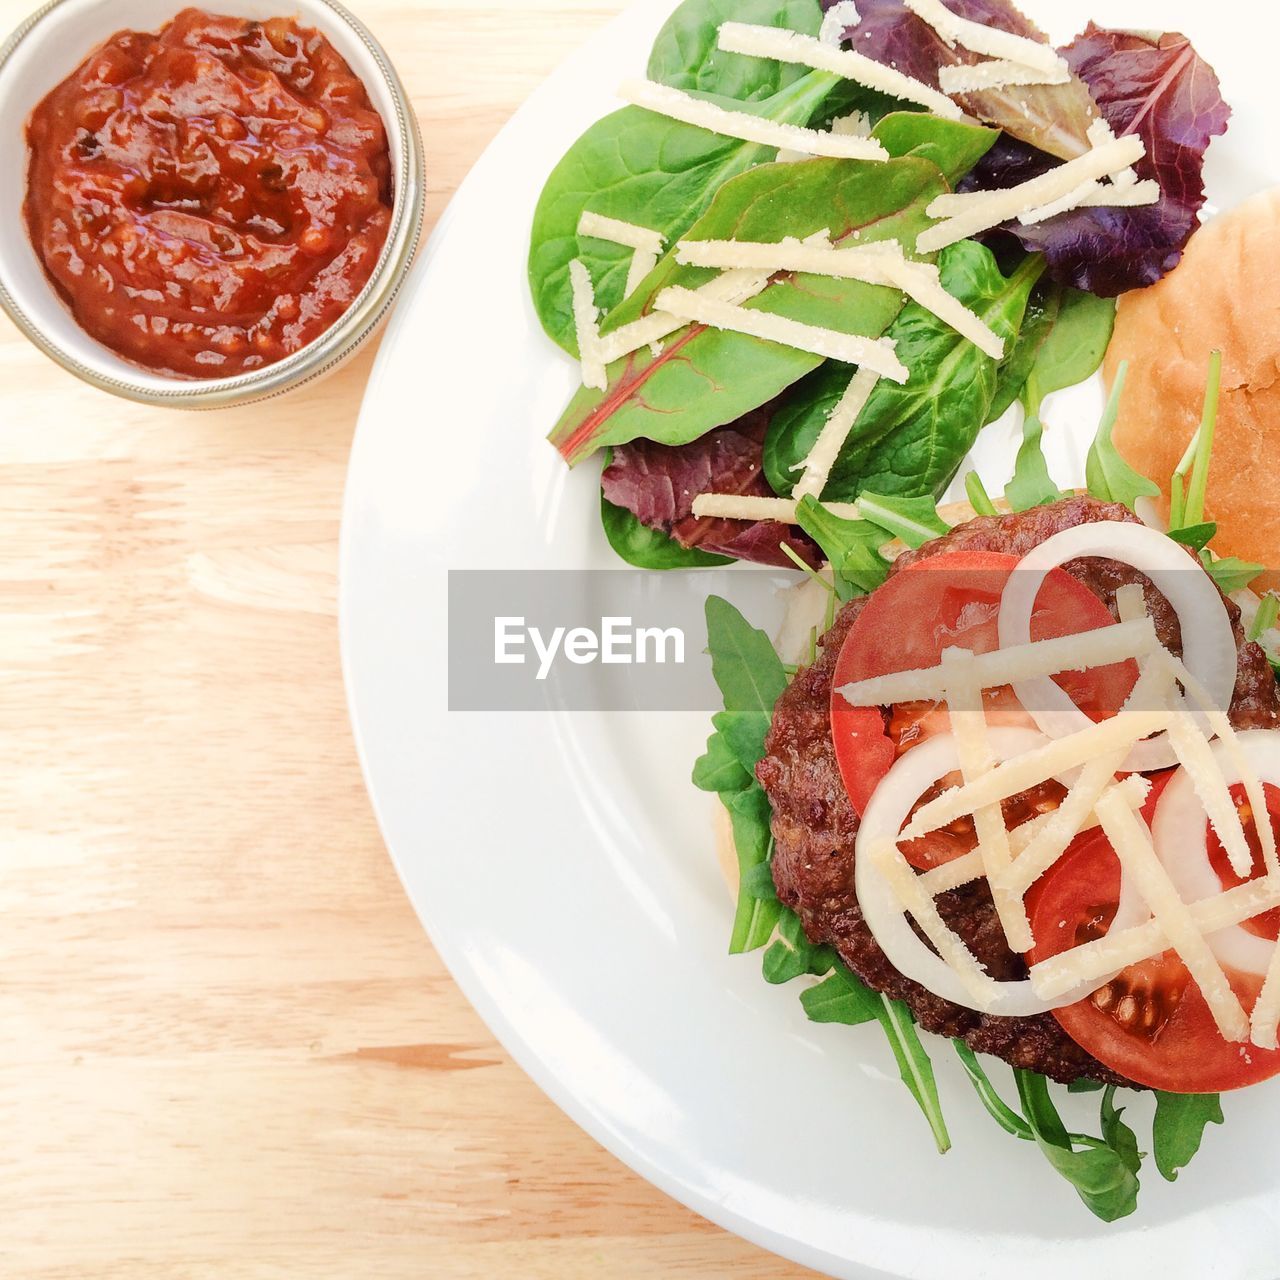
[(1150, 1023), (1267, 925), (953, 600)]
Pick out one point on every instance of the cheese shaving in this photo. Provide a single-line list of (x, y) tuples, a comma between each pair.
[(681, 106), (878, 262), (791, 46), (1095, 195), (980, 211), (873, 353), (837, 20), (641, 264), (835, 431), (586, 321), (1132, 842), (1000, 73), (969, 728), (627, 234), (1051, 657), (737, 506), (977, 38)]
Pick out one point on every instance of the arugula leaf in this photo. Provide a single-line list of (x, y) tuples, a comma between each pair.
[(1085, 1085), (649, 548), (1100, 1175), (743, 733), (1195, 536), (746, 667), (1072, 331), (979, 499), (758, 883), (705, 377), (719, 768), (852, 547), (914, 520), (792, 955), (1117, 1135), (914, 1066), (1108, 476), (1229, 572), (685, 54), (910, 439), (842, 998), (1186, 505), (999, 1110), (755, 918), (1265, 618), (1178, 1128)]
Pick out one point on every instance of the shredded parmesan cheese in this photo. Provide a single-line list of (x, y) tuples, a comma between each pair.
[(586, 322), (837, 20), (878, 262), (790, 46), (1094, 195), (627, 234), (980, 77), (977, 38), (969, 727), (974, 213), (641, 264), (835, 431), (1132, 842), (1097, 648), (741, 124), (737, 506), (873, 353)]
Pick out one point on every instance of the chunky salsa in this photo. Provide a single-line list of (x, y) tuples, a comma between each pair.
[(209, 198)]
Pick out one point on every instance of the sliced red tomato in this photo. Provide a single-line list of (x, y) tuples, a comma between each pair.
[(946, 601), (1267, 925), (1150, 1023)]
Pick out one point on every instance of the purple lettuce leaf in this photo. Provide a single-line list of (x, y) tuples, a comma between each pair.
[(1162, 90), (657, 483), (1053, 118)]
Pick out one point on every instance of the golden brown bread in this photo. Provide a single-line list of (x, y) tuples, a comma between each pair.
[(1225, 294)]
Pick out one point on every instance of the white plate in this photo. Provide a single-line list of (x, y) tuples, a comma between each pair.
[(563, 864)]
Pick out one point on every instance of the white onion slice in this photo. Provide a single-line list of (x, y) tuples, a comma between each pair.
[(1180, 832), (1208, 645), (887, 813)]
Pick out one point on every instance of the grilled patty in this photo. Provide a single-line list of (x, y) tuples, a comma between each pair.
[(814, 824)]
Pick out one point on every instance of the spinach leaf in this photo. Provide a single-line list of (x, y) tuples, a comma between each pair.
[(792, 955), (685, 54), (910, 439), (1181, 1119), (706, 377), (852, 548), (746, 667), (1073, 331), (1108, 476), (1100, 1174), (642, 168), (955, 147), (649, 548)]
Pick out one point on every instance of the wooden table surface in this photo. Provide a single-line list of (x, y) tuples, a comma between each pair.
[(226, 1047)]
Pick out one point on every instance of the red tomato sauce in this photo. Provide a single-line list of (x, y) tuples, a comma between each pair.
[(210, 198)]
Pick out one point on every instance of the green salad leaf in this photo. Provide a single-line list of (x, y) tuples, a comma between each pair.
[(792, 955), (910, 439), (978, 497), (852, 547), (914, 520), (704, 377), (1178, 1130), (955, 147), (647, 548), (1108, 476), (1229, 572), (685, 54), (1265, 618), (745, 664)]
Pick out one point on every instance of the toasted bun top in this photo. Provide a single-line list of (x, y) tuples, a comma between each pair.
[(1224, 295)]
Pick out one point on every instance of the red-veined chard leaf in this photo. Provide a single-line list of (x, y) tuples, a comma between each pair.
[(1161, 89), (704, 378), (1054, 118), (657, 484)]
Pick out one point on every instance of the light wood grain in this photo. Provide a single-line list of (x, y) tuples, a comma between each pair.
[(226, 1048)]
